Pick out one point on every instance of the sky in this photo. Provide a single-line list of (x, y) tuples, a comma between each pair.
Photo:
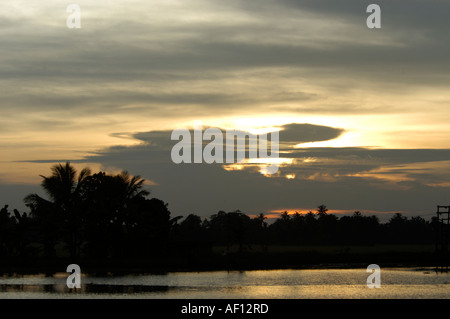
[(362, 113)]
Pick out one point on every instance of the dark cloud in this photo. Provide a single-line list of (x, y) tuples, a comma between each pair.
[(140, 50), (303, 133), (343, 178), (285, 57)]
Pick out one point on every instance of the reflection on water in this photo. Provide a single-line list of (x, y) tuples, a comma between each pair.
[(280, 284), (85, 289)]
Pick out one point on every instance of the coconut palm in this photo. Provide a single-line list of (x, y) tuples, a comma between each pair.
[(59, 214), (133, 185)]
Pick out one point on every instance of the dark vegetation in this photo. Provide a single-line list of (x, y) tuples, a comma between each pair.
[(108, 223)]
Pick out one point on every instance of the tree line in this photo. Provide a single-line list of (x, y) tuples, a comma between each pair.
[(111, 216)]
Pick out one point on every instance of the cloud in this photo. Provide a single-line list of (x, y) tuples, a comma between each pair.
[(343, 178), (149, 66), (301, 133), (165, 60)]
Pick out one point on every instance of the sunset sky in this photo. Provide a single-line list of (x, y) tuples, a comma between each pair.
[(363, 113)]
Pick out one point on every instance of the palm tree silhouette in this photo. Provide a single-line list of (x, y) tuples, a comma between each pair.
[(60, 213), (133, 185)]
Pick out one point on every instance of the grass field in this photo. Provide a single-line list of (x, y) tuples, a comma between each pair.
[(250, 257), (328, 249)]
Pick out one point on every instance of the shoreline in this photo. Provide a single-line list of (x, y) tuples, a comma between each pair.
[(218, 263), (139, 272)]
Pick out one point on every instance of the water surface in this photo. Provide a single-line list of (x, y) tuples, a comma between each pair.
[(398, 283)]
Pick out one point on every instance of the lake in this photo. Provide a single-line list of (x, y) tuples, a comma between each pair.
[(398, 283)]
